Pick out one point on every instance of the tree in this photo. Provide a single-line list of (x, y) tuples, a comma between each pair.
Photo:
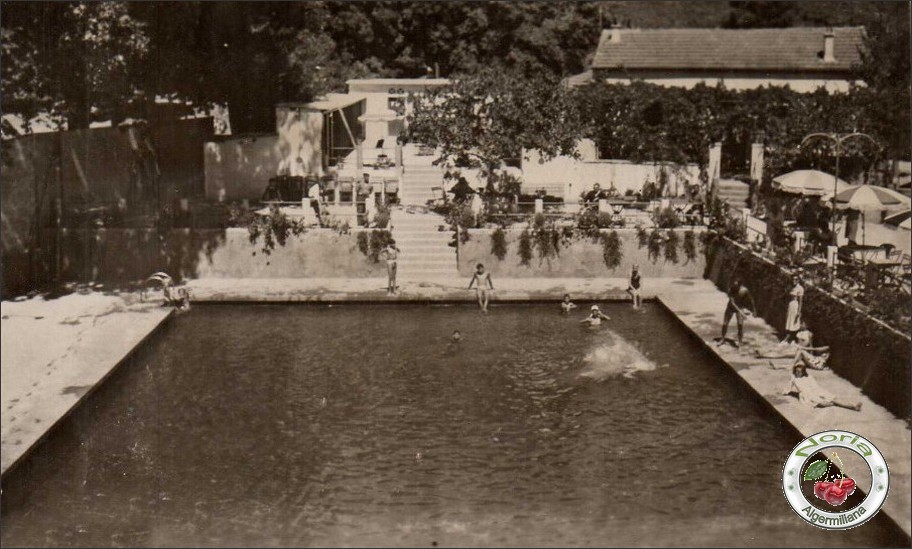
[(482, 120), (77, 59)]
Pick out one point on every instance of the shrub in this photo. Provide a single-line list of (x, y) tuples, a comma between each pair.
[(525, 248), (275, 228), (690, 245), (499, 243), (604, 220), (642, 236), (382, 217), (379, 238), (671, 246), (612, 253), (654, 245), (666, 218), (363, 239)]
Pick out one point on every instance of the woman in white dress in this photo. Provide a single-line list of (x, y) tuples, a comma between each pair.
[(793, 314)]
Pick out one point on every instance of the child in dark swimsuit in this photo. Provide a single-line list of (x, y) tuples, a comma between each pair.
[(567, 305), (633, 287)]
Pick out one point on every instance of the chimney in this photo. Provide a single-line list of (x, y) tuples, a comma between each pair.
[(615, 37), (829, 45)]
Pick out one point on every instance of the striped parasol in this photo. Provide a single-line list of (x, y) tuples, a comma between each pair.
[(869, 197), (809, 183), (901, 219)]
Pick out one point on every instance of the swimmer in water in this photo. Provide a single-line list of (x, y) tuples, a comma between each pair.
[(567, 305), (457, 337), (595, 317)]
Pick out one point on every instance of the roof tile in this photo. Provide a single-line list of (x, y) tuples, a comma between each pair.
[(797, 48)]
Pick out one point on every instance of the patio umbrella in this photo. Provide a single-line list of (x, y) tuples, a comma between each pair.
[(901, 219), (809, 183), (869, 197)]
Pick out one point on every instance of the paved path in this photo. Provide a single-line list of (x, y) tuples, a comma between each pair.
[(431, 289), (700, 309), (53, 352)]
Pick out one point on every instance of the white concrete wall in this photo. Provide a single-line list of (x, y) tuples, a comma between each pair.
[(578, 176), (801, 85)]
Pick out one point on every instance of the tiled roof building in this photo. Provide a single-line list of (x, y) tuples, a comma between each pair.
[(804, 58)]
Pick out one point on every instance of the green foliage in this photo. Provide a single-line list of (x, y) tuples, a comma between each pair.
[(483, 119), (363, 240), (382, 217), (642, 236), (690, 246), (619, 118), (525, 248), (671, 246), (274, 228), (499, 243), (666, 218), (654, 245), (612, 254), (379, 238)]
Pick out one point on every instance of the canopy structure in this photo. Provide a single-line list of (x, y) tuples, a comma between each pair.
[(809, 183)]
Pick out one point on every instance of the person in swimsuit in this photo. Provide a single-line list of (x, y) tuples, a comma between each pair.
[(391, 254), (483, 284), (595, 317), (633, 287), (811, 393), (739, 298), (567, 305)]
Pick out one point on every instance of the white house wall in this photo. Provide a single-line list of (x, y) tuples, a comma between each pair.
[(571, 177), (800, 85)]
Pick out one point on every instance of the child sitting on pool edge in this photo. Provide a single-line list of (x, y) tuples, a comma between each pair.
[(595, 317), (567, 305), (484, 284)]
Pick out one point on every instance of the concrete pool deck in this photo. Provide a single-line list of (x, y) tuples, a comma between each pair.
[(54, 352), (90, 334)]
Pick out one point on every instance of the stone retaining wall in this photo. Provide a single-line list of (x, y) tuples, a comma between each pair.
[(865, 351)]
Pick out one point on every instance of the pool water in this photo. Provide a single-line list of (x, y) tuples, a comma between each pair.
[(352, 425)]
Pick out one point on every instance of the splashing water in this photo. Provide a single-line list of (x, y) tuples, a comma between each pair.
[(613, 358)]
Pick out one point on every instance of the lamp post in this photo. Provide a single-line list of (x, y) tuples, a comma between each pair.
[(838, 139)]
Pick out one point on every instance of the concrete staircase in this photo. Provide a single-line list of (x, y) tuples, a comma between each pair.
[(425, 249), (734, 192), (419, 182)]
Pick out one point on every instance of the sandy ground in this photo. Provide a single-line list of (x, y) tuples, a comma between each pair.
[(55, 351)]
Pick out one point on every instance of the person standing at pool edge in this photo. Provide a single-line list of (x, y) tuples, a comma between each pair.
[(392, 256), (738, 300), (633, 287), (481, 279)]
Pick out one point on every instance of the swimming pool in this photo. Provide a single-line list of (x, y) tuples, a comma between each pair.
[(278, 425)]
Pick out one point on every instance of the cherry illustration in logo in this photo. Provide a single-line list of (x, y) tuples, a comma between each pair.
[(846, 484), (835, 495), (820, 488)]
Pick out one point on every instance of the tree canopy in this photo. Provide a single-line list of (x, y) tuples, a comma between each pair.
[(98, 61), (482, 120)]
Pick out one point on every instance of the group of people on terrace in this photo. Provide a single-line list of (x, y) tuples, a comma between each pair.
[(797, 345)]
